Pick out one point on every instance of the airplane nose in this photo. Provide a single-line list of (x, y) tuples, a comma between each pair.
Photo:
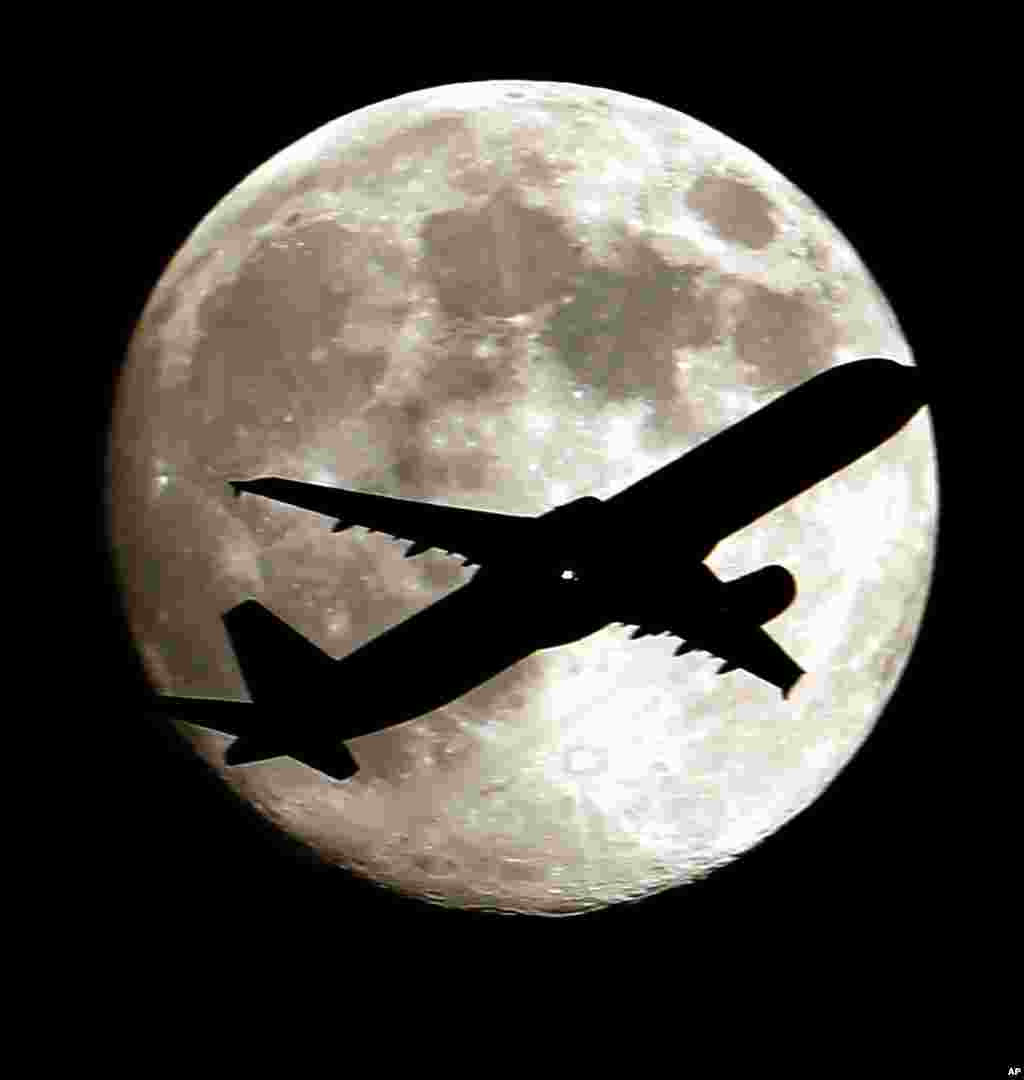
[(912, 383), (919, 385), (900, 383)]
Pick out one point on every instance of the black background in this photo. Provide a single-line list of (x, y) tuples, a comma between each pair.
[(182, 869)]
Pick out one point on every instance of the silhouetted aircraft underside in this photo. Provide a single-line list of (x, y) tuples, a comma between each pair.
[(556, 578)]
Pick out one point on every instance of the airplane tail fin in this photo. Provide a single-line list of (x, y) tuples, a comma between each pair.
[(289, 679), (278, 664)]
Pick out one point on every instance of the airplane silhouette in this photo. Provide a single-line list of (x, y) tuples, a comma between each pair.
[(549, 580)]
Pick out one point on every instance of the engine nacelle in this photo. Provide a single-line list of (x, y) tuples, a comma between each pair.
[(763, 594)]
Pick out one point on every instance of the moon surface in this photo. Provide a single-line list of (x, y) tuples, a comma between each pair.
[(506, 295)]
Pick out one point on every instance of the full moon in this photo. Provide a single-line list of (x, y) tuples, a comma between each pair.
[(506, 295)]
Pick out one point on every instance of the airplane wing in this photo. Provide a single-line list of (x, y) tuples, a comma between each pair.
[(724, 618), (775, 454), (479, 536), (751, 648)]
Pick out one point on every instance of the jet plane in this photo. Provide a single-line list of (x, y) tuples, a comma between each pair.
[(637, 558)]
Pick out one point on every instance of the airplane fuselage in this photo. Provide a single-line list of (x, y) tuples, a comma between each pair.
[(637, 558), (498, 618)]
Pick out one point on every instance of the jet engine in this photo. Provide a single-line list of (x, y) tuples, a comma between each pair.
[(761, 595)]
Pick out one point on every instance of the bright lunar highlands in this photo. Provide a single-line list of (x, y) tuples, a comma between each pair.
[(505, 295)]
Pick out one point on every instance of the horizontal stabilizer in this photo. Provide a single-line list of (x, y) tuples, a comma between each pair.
[(215, 714), (334, 761), (260, 735)]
